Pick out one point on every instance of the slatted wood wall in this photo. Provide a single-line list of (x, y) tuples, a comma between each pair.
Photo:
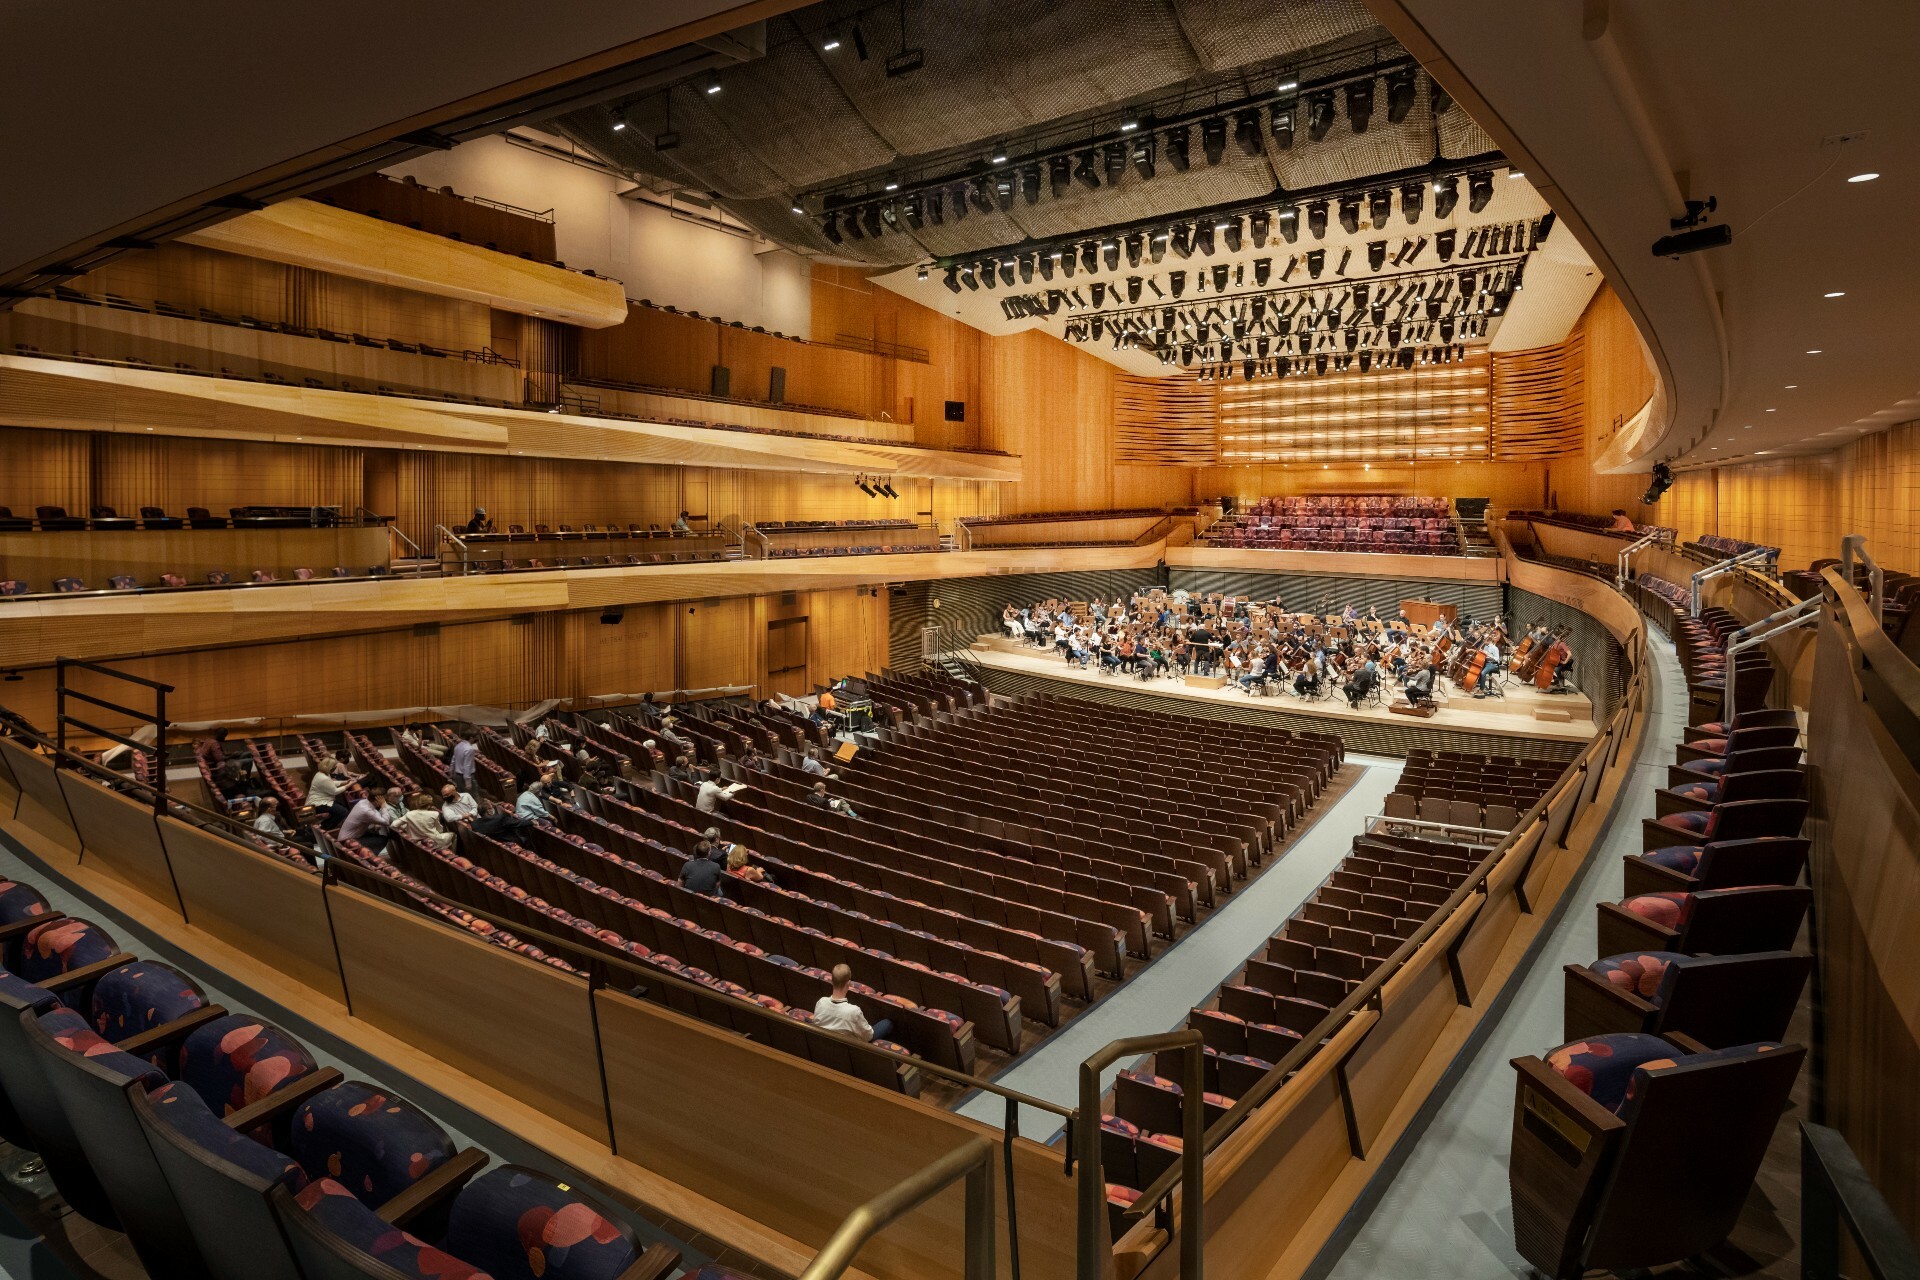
[(1169, 422), (1539, 400)]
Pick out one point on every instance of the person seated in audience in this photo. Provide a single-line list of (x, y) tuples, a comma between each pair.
[(497, 821), (326, 791), (267, 819), (532, 805), (739, 863), (713, 792), (680, 525), (700, 873), (682, 770), (425, 748), (648, 710), (460, 762), (1420, 686), (837, 1013), (1362, 684), (233, 782), (1622, 523), (366, 823), (457, 805), (752, 761), (819, 797), (596, 772), (481, 522), (421, 821), (813, 764)]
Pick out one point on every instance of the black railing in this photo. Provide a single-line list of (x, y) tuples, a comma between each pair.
[(1835, 1191)]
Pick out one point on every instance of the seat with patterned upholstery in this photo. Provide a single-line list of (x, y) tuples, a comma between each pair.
[(335, 1237), (62, 946), (68, 585), (218, 577), (172, 580), (1726, 820), (520, 1224), (1723, 864), (234, 1061), (1786, 757), (1631, 1151), (14, 587), (1688, 805), (370, 1141), (1717, 1000), (124, 582), (1766, 718), (1711, 922)]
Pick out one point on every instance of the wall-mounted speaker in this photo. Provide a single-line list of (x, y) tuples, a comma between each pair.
[(777, 385), (722, 380), (611, 616), (956, 411)]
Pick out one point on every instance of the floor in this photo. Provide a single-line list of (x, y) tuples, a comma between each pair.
[(1515, 713), (1444, 1213), (1187, 973)]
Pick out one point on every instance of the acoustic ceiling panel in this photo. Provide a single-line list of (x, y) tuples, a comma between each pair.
[(1235, 33)]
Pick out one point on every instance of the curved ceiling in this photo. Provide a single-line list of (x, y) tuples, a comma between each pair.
[(1621, 111)]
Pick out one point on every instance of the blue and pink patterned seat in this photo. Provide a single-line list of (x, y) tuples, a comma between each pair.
[(236, 1060), (1640, 973), (1668, 910), (180, 1108), (70, 1031), (520, 1224), (369, 1141), (61, 946), (332, 1210), (1602, 1067)]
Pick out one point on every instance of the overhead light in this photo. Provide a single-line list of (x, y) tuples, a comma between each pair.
[(1479, 190), (1446, 194), (980, 191), (1350, 214), (1286, 86), (1400, 87), (1258, 223), (1792, 386), (1380, 205), (1083, 171), (830, 44), (1280, 120), (713, 85), (1115, 154), (798, 209), (619, 122), (1319, 114), (666, 141), (1814, 352), (1177, 139), (1060, 174), (920, 274), (1030, 183), (893, 186), (1213, 138), (1863, 177), (1128, 126), (1000, 159), (1144, 152), (870, 218), (1360, 105), (1246, 131), (1317, 219), (916, 217), (1514, 173), (1833, 295), (1412, 195)]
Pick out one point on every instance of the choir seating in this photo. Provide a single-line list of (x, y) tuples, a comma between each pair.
[(1405, 525), (1465, 790), (1632, 1150)]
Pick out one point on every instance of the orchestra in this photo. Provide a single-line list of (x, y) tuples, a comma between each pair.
[(1265, 648)]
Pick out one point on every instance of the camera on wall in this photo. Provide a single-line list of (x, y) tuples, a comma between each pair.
[(1662, 481)]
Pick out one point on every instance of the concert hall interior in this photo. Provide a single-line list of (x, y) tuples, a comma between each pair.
[(960, 639)]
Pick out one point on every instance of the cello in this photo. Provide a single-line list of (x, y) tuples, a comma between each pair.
[(1557, 654), (1474, 669)]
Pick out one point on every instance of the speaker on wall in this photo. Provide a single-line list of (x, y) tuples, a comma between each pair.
[(777, 385), (722, 380), (956, 411)]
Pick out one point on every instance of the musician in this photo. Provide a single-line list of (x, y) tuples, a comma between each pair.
[(1014, 620), (1311, 674), (1256, 673), (1361, 685), (1491, 650), (1420, 686)]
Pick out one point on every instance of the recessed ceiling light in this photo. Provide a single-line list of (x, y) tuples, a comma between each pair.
[(1773, 411), (1747, 427), (1793, 386), (618, 125), (1835, 294), (893, 186), (1514, 173), (1863, 177), (798, 209), (1814, 352), (1000, 159)]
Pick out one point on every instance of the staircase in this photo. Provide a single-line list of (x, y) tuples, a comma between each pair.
[(1470, 521)]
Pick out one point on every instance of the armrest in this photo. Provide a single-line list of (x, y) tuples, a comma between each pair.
[(283, 1100), (20, 928), (1681, 1040), (172, 1032), (1536, 1075), (86, 973), (657, 1261), (1621, 930), (432, 1190), (1593, 1006)]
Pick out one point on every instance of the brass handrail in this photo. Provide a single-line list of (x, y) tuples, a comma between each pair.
[(974, 1162), (1090, 1188)]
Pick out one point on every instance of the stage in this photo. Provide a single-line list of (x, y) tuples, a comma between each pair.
[(1524, 711)]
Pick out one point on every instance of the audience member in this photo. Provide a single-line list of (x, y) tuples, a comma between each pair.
[(414, 740), (836, 1012), (326, 790), (461, 763), (700, 873), (680, 524), (713, 793), (814, 765), (1622, 523), (481, 522), (818, 796), (739, 863), (267, 820), (366, 823), (682, 770), (457, 805), (497, 821), (423, 822), (532, 805)]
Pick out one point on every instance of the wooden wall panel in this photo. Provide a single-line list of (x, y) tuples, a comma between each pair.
[(44, 468), (1508, 484), (1540, 400), (1165, 421)]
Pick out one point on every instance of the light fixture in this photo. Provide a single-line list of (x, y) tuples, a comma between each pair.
[(870, 219), (713, 85), (999, 159), (1290, 222), (1446, 194), (1380, 205), (1246, 131), (1514, 173), (1479, 190), (860, 42), (1833, 295), (1400, 90), (1863, 177), (1412, 195), (1128, 126), (892, 186), (1350, 214), (1814, 352), (1257, 223), (1319, 114), (619, 121), (1115, 154), (831, 43), (1213, 138), (920, 273), (1360, 105), (830, 227), (1084, 172), (798, 209), (1280, 120), (1060, 174), (1177, 139)]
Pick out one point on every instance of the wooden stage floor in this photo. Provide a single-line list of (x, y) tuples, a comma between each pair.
[(1518, 712)]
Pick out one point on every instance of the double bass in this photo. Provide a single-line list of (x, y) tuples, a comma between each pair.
[(1472, 672), (1557, 654)]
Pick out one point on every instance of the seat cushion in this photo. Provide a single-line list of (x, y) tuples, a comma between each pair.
[(140, 996), (520, 1225), (373, 1143), (1694, 820), (18, 901), (1640, 973), (1705, 791), (1684, 858), (1712, 746), (1602, 1066), (235, 1061), (61, 946), (1711, 767), (334, 1208), (182, 1110), (1668, 910), (71, 1032), (23, 993)]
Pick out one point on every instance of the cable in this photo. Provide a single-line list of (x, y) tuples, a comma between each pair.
[(1838, 151)]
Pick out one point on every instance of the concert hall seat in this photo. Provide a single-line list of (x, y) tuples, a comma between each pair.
[(1732, 820), (1723, 864), (201, 518), (172, 580), (1630, 1151), (123, 582), (1710, 922), (106, 519), (218, 577), (263, 575), (157, 518), (56, 519), (67, 585), (14, 587), (1689, 805), (10, 523), (1717, 1000)]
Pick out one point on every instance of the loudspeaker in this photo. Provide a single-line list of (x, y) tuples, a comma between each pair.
[(777, 385), (956, 411), (611, 615), (722, 380)]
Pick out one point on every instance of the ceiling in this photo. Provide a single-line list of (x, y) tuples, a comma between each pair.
[(1620, 117)]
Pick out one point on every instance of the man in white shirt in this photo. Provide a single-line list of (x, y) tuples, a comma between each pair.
[(814, 765), (461, 762), (712, 793), (267, 822), (837, 1013), (456, 805)]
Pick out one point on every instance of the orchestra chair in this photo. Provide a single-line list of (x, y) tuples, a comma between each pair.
[(1728, 820), (1688, 805), (1723, 864), (1630, 1150), (1717, 1000), (1711, 922)]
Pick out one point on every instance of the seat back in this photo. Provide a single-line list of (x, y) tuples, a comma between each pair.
[(330, 1234), (1695, 1135), (45, 1117), (1756, 918), (220, 1180), (1763, 784), (1746, 819), (1726, 864), (1734, 999), (484, 1228)]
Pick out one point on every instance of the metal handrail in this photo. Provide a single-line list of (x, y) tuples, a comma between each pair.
[(1855, 545), (1835, 1190), (1624, 561), (1724, 566), (443, 534), (973, 1162), (1802, 614), (1090, 1187)]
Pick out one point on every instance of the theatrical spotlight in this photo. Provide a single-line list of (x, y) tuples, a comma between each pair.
[(1542, 229), (1316, 262), (1479, 190), (1134, 242), (870, 219), (1443, 244), (1258, 223), (1662, 481), (1280, 120), (1230, 233), (861, 483), (1289, 217), (830, 228), (952, 280), (1203, 238), (1177, 139), (1084, 172), (1089, 257), (1026, 268), (1412, 196), (1213, 138), (1360, 105), (1182, 247), (1110, 254), (1246, 131), (1380, 206), (980, 192), (1115, 155), (1377, 254), (1045, 261), (966, 277), (1446, 194), (1319, 114), (1262, 270), (915, 219), (1143, 156), (1350, 214), (1177, 282), (1003, 191), (1157, 241), (1317, 219), (1133, 288), (1030, 183), (1400, 90), (1060, 173)]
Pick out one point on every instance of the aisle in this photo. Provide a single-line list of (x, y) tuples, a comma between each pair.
[(1445, 1214), (1187, 973)]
